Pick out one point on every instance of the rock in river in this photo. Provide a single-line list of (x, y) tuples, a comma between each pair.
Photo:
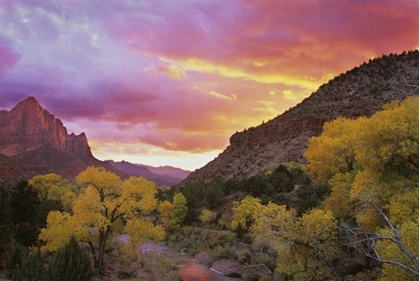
[(255, 272), (227, 267)]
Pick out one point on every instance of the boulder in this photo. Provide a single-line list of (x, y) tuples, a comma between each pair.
[(255, 272), (203, 258), (227, 267)]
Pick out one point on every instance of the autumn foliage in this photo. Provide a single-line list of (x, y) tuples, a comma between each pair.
[(371, 165), (105, 204), (351, 212)]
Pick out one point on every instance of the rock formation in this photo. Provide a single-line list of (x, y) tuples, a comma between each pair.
[(227, 267), (255, 272), (359, 92), (33, 141)]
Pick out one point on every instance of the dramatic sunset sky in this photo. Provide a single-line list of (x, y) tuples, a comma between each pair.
[(168, 82)]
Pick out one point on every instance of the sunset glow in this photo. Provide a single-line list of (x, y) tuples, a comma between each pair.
[(168, 82)]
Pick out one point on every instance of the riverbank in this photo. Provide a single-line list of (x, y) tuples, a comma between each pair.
[(189, 270)]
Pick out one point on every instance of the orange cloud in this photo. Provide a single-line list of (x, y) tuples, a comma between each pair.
[(182, 76), (171, 71)]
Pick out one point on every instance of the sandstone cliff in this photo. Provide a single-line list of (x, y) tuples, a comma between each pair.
[(33, 141), (28, 126), (359, 92)]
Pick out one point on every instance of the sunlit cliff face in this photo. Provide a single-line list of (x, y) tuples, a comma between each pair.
[(167, 82)]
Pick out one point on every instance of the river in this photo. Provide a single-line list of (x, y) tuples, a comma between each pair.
[(188, 269)]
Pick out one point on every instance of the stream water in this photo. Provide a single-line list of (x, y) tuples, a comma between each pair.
[(188, 269)]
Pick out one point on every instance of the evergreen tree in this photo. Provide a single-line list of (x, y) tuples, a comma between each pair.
[(23, 203), (71, 263), (16, 259), (31, 268), (6, 223)]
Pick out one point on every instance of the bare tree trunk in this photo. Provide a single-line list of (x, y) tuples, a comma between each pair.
[(95, 260), (103, 235)]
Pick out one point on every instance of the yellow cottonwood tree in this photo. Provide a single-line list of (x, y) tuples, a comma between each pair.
[(305, 246), (207, 216), (244, 211), (274, 226), (165, 210), (54, 187), (371, 165), (98, 208), (331, 152)]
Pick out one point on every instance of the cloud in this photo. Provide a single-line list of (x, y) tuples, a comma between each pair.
[(231, 97), (293, 43), (8, 59), (288, 94), (182, 76), (171, 71)]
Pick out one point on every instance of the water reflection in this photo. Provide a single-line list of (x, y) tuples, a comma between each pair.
[(191, 271)]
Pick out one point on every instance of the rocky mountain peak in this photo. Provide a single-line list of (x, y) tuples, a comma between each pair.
[(33, 142), (27, 126), (29, 102)]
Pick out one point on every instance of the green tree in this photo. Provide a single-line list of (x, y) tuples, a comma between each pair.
[(71, 263), (179, 211), (31, 269), (281, 179), (16, 259), (23, 203), (100, 206), (244, 212), (6, 223)]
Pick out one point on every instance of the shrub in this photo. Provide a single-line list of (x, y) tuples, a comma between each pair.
[(71, 263), (31, 268)]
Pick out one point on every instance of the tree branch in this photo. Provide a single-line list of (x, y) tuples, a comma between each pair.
[(398, 240), (366, 244)]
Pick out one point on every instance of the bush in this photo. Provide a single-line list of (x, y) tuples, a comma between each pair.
[(31, 268), (71, 264), (269, 260)]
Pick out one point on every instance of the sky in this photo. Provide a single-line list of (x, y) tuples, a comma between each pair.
[(168, 82)]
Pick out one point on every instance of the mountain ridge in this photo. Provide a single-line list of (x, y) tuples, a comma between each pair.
[(360, 91), (34, 142), (164, 175)]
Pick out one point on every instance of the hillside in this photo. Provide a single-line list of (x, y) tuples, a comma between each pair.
[(358, 92), (163, 176), (34, 142)]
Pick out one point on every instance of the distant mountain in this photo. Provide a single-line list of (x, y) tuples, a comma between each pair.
[(168, 171), (359, 92), (34, 142), (163, 176)]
